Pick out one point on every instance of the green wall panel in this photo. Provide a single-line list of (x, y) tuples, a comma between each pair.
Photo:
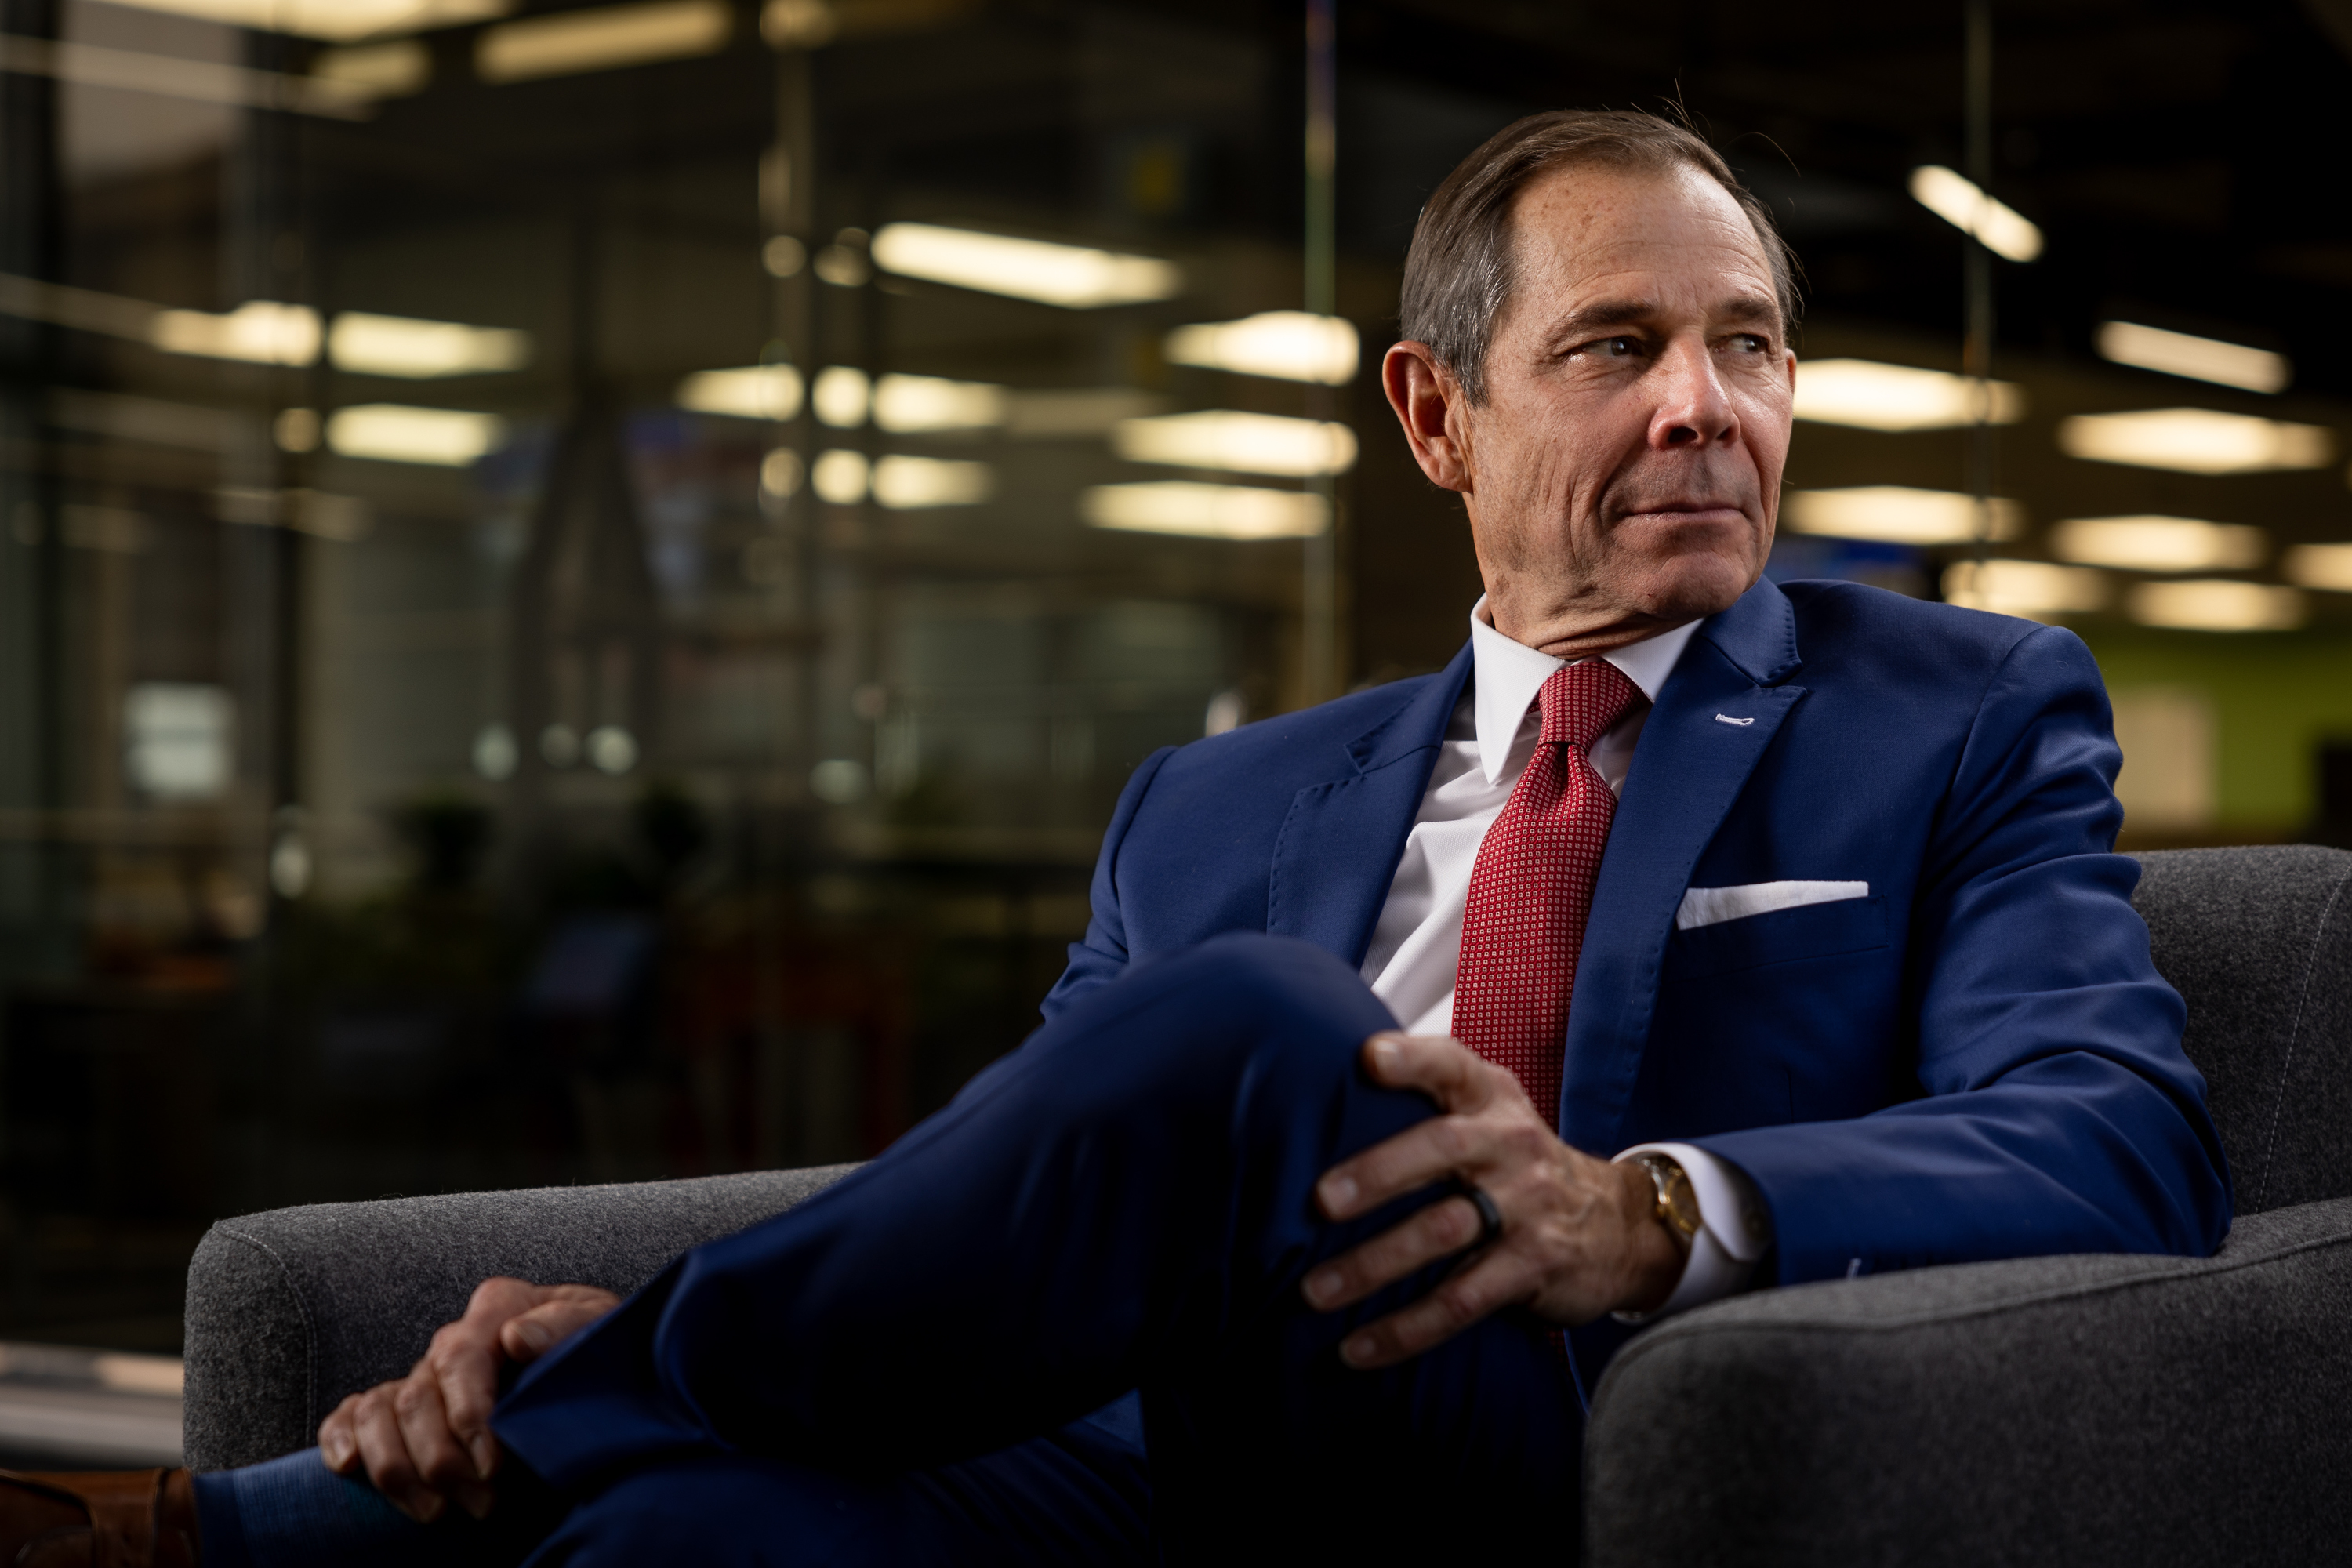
[(2275, 695)]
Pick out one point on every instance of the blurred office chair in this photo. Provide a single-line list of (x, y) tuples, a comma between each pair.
[(2078, 1410)]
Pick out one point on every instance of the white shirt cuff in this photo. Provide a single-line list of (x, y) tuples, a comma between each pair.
[(1735, 1229)]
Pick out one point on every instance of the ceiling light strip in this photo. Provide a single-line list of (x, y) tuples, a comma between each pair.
[(1205, 511), (2152, 543), (608, 37), (1956, 198), (2327, 566), (1898, 514), (336, 21), (167, 76), (2196, 441), (2199, 359), (1872, 395), (1289, 345), (1075, 277), (2216, 605)]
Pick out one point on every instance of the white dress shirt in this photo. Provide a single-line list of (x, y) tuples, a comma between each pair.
[(1417, 942)]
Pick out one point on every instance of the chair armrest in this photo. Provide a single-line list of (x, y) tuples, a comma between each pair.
[(290, 1311), (2053, 1410)]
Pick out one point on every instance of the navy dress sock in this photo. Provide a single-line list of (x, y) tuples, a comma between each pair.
[(292, 1512)]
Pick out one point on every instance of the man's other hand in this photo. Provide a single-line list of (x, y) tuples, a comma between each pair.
[(1578, 1238), (425, 1438)]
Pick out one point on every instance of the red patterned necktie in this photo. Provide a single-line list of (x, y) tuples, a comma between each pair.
[(1532, 888)]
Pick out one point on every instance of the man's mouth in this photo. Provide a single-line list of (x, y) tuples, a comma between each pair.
[(1684, 509)]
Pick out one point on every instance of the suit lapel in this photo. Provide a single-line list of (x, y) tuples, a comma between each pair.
[(1338, 847), (1687, 770)]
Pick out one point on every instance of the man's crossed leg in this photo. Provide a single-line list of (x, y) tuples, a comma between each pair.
[(890, 1372)]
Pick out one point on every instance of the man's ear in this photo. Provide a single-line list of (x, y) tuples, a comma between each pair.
[(1430, 404)]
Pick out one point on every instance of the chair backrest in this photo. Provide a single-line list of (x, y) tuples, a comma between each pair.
[(2259, 942)]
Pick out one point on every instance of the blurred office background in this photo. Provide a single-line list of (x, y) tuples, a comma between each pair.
[(578, 580)]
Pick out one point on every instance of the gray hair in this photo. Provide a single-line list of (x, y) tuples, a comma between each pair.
[(1458, 276)]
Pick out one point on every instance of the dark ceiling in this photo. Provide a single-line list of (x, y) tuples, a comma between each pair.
[(2185, 159), (2182, 156)]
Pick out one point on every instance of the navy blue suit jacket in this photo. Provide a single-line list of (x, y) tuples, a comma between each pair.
[(1976, 1061)]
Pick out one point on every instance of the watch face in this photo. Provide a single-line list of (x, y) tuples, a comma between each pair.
[(1678, 1202), (1684, 1202)]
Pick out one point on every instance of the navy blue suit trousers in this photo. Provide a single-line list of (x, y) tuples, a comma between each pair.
[(888, 1371)]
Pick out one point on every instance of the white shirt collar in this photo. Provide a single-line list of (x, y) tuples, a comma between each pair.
[(1507, 675)]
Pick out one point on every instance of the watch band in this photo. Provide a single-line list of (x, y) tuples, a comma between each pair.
[(1677, 1203)]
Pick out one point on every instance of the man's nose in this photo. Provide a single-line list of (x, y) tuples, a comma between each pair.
[(1693, 409)]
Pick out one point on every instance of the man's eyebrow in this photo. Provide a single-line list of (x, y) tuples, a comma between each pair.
[(1597, 319), (1748, 309)]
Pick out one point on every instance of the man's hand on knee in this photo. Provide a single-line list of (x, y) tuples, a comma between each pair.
[(1578, 1236), (425, 1438)]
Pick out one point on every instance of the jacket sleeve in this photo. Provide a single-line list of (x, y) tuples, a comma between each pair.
[(1102, 957), (2057, 1111)]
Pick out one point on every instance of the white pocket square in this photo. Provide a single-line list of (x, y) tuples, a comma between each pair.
[(1712, 906)]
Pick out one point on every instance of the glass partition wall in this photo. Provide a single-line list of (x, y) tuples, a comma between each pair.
[(581, 583)]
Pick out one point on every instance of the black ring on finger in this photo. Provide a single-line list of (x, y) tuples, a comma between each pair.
[(1490, 1218)]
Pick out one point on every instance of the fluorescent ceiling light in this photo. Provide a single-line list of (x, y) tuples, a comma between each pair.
[(337, 21), (902, 482), (841, 397), (752, 392), (2200, 358), (2034, 589), (397, 432), (908, 404), (392, 70), (2196, 441), (260, 332), (2217, 605), (605, 39), (1897, 514), (840, 476), (1876, 397), (174, 76), (1205, 511), (1238, 443), (1956, 199), (1075, 276), (2159, 543), (1290, 344), (2321, 566), (403, 346)]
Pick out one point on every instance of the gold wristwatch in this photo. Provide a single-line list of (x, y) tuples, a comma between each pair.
[(1677, 1207)]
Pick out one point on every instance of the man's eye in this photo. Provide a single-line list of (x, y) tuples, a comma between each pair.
[(1615, 347), (1751, 343)]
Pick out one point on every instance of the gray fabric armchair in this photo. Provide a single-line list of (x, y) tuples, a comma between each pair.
[(2074, 1410)]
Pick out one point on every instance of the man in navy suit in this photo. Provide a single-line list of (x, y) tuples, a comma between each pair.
[(1855, 985)]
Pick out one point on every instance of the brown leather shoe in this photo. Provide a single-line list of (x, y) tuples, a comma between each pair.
[(98, 1518)]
